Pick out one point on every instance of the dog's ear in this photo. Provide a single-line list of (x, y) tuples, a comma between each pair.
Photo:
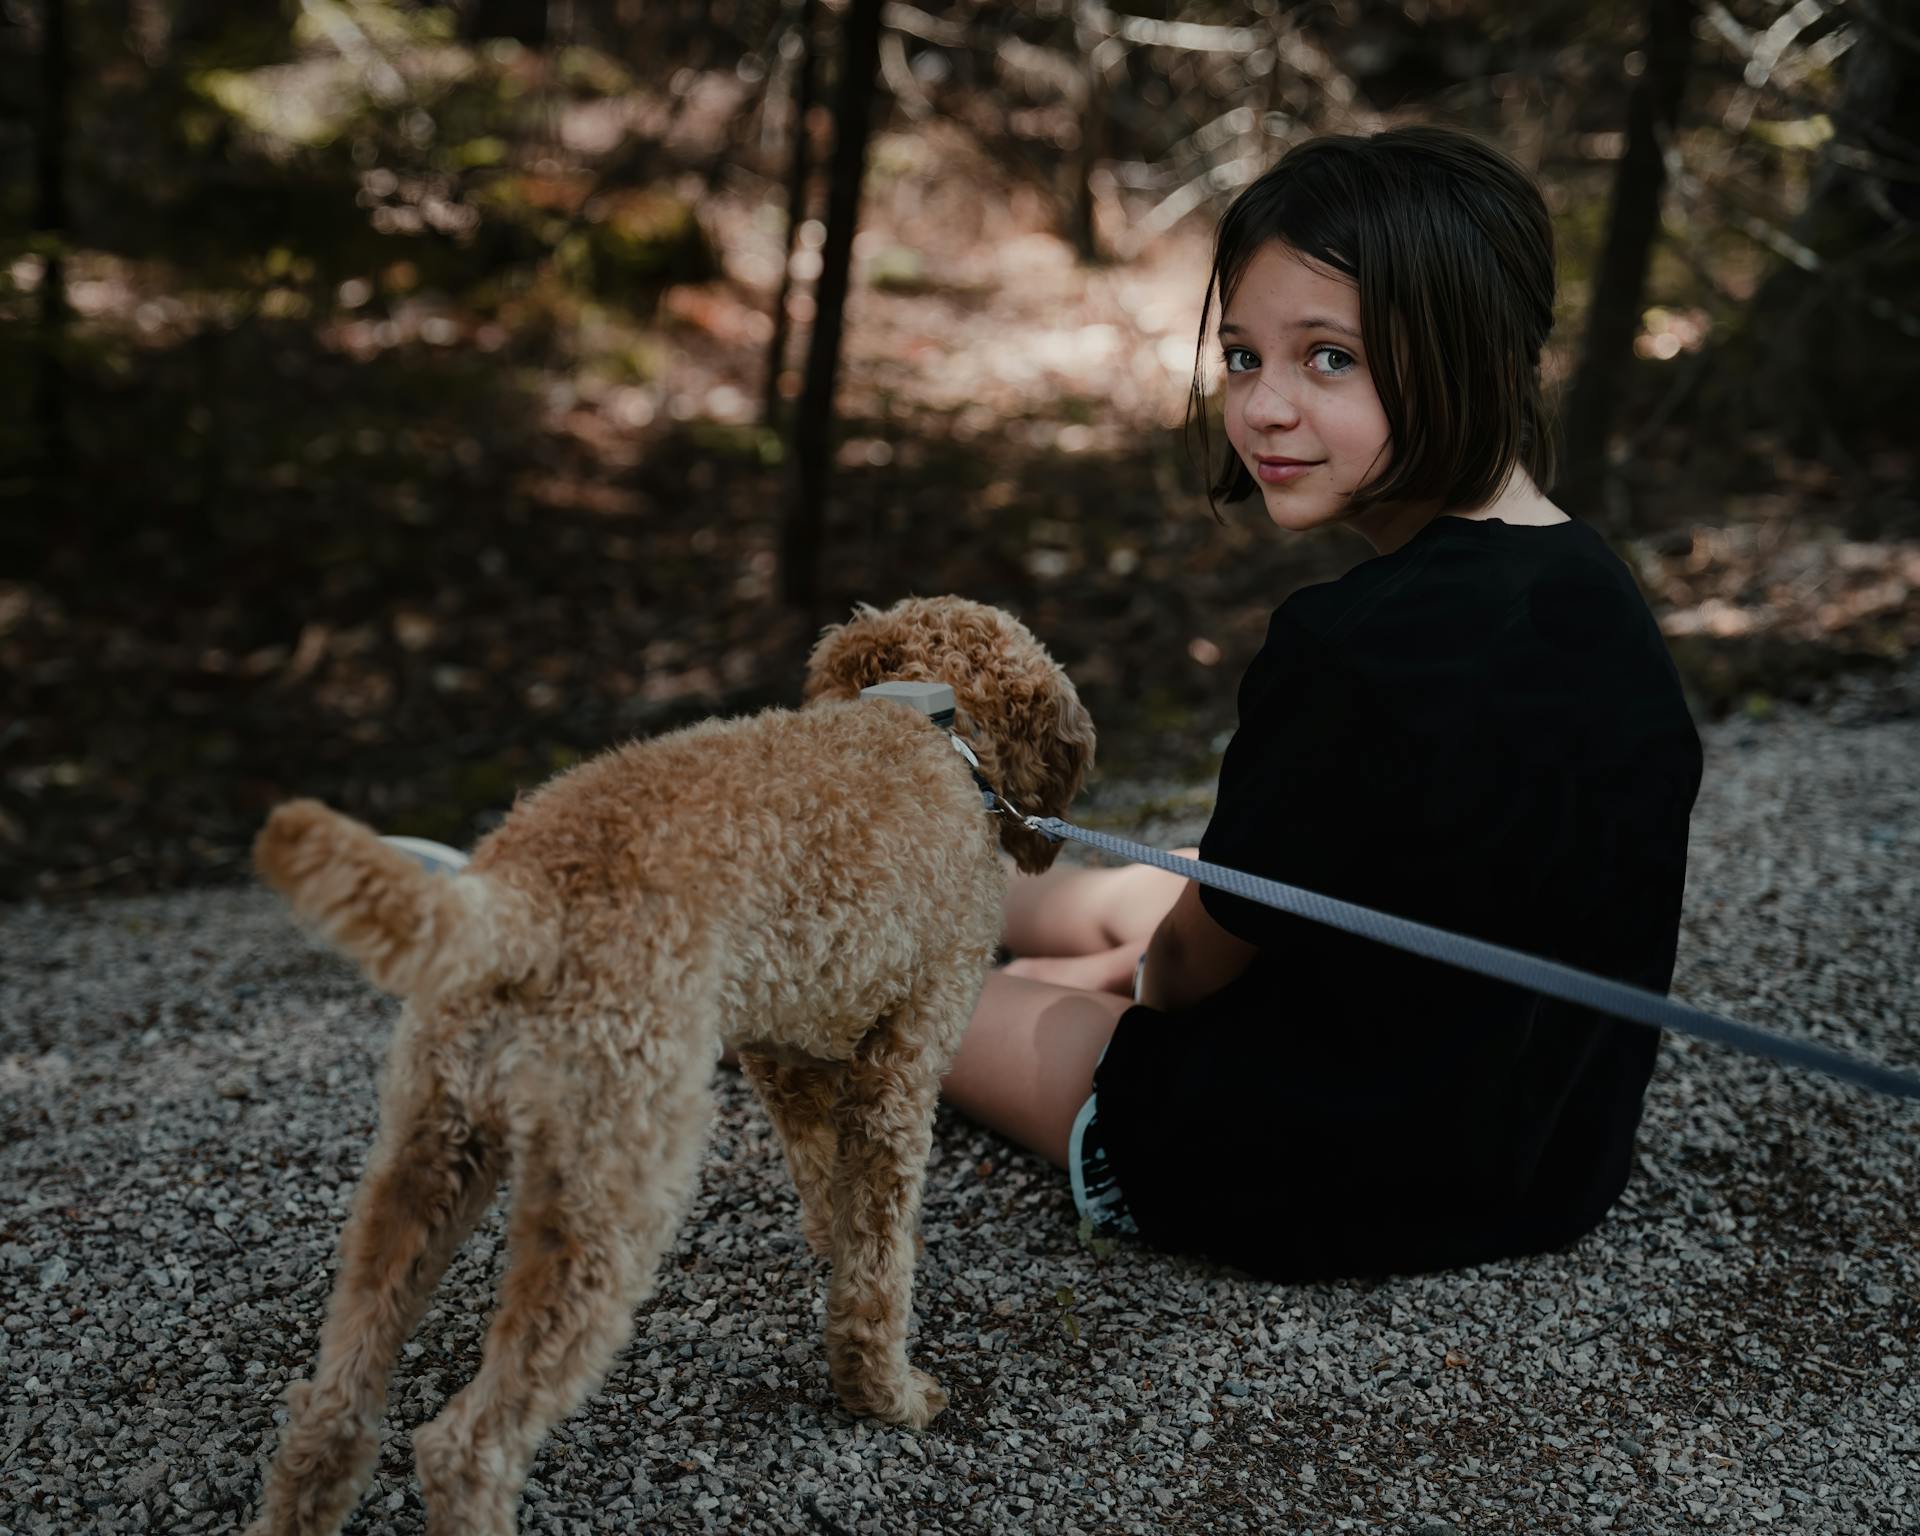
[(1032, 735), (1046, 748), (869, 648)]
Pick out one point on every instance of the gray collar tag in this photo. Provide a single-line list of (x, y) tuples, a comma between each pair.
[(936, 702)]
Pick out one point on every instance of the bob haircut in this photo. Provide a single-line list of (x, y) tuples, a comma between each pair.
[(1450, 246)]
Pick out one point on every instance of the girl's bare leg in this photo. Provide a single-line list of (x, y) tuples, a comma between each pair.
[(1086, 928), (1075, 910), (1025, 1065)]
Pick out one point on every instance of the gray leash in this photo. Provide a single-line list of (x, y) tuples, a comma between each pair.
[(1548, 976)]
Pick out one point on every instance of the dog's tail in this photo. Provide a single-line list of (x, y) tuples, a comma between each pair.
[(413, 932)]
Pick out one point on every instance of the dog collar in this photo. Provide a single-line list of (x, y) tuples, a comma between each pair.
[(987, 791), (937, 703), (991, 799)]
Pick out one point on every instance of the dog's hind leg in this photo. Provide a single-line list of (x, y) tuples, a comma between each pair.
[(799, 1101), (601, 1181), (885, 1118), (428, 1182)]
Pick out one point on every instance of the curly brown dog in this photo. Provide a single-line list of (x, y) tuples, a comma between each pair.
[(819, 888)]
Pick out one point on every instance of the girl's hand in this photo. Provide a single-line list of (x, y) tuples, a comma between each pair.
[(1109, 970)]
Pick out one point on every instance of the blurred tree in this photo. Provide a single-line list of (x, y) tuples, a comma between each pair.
[(799, 174), (811, 441), (1091, 91), (51, 236), (1633, 222), (1829, 349)]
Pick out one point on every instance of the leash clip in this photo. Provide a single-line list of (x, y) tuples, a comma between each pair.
[(994, 802)]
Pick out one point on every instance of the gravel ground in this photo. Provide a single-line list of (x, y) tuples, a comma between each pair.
[(186, 1096)]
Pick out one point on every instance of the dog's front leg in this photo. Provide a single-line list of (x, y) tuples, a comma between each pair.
[(884, 1115)]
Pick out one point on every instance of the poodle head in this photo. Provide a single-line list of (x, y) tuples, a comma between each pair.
[(1013, 703)]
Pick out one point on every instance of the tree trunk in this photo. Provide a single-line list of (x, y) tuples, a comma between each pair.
[(1633, 221), (1092, 145), (811, 441), (50, 232), (799, 172)]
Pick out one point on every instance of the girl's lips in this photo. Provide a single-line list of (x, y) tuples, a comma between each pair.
[(1279, 471)]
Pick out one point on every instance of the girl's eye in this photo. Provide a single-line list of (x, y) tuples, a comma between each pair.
[(1338, 360), (1247, 361)]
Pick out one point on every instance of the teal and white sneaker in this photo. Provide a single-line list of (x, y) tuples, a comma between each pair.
[(435, 858)]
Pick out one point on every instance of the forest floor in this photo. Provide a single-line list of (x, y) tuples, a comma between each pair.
[(412, 555), (187, 1090)]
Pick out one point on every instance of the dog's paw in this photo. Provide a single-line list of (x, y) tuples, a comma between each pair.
[(923, 1400), (914, 1402)]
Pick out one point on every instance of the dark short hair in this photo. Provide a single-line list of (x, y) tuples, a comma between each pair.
[(1451, 248)]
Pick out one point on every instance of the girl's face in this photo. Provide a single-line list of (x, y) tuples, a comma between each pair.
[(1301, 408)]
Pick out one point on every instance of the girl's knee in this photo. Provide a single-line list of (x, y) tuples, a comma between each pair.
[(1139, 898)]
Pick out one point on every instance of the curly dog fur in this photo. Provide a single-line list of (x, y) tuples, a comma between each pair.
[(820, 888)]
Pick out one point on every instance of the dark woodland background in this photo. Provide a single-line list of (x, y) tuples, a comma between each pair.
[(399, 401)]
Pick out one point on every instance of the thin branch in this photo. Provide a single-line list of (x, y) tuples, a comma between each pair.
[(1886, 26), (1855, 158), (388, 85), (1176, 205), (1779, 37), (1193, 37), (1144, 175), (916, 23), (1843, 121), (1211, 136), (1728, 26), (1763, 51), (1027, 65), (898, 74), (1783, 245)]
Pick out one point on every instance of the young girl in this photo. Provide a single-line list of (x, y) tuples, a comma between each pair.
[(1479, 728)]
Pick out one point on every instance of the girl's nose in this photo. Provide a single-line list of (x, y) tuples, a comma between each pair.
[(1268, 407)]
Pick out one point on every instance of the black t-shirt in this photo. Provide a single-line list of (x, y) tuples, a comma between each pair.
[(1482, 731)]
